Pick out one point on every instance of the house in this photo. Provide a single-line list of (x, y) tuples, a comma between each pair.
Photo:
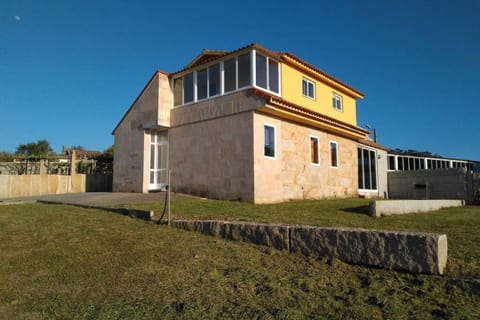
[(249, 124)]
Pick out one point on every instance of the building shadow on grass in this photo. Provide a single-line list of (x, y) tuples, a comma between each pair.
[(358, 210)]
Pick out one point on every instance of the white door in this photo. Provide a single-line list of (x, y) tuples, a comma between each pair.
[(158, 159)]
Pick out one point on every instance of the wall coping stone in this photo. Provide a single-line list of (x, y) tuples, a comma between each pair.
[(408, 251)]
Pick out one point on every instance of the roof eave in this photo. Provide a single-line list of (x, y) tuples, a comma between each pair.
[(282, 108), (305, 66), (138, 97)]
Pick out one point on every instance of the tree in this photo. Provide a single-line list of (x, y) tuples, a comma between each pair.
[(109, 151), (40, 149), (414, 153), (6, 156)]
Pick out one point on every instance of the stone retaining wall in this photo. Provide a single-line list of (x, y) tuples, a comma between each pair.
[(413, 252)]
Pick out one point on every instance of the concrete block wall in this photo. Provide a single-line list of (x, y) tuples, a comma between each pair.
[(390, 207), (430, 184), (412, 252)]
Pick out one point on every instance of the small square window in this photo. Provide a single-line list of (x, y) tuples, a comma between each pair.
[(308, 88), (337, 102)]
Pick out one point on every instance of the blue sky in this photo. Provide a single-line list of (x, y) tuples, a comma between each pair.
[(70, 69)]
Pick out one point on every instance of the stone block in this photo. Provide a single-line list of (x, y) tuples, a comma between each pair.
[(413, 252), (270, 235), (209, 227)]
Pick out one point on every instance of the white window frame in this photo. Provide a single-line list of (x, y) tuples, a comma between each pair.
[(156, 167), (336, 98), (307, 81), (267, 72), (312, 137), (362, 147), (330, 142), (274, 141)]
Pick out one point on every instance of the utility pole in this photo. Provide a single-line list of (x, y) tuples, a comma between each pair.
[(374, 132)]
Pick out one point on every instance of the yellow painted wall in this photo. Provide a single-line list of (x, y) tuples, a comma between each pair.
[(292, 92)]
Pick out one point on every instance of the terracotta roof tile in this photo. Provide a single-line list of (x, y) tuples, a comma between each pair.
[(304, 111), (314, 68)]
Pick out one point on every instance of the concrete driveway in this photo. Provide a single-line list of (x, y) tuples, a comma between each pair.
[(101, 199)]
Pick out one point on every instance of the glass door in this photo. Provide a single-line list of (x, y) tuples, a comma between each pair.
[(158, 159)]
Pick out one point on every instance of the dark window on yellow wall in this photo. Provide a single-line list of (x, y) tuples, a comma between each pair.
[(337, 102), (308, 88)]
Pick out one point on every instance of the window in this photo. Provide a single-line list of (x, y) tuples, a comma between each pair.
[(367, 169), (230, 75), (188, 88), (244, 70), (214, 80), (308, 88), (333, 154), (227, 76), (391, 162), (202, 84), (177, 91), (269, 141), (158, 159), (261, 71), (314, 152), (337, 102), (273, 76), (266, 73)]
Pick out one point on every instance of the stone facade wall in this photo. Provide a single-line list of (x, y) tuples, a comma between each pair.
[(412, 252), (132, 149), (226, 105), (214, 158), (291, 175), (129, 159), (211, 151)]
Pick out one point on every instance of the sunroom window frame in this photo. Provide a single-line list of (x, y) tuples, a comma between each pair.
[(252, 68)]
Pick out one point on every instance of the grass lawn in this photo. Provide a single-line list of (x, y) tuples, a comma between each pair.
[(64, 262)]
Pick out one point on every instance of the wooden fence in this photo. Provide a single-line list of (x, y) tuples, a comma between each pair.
[(35, 177)]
